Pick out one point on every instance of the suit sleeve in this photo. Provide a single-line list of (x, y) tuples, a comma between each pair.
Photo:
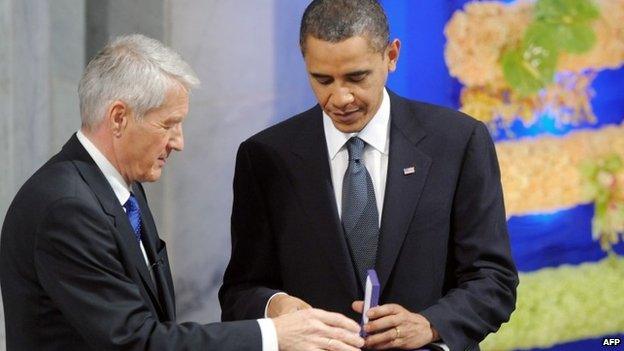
[(486, 276), (252, 275), (78, 264)]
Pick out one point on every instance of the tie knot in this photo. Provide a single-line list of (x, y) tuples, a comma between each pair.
[(355, 146), (131, 205), (134, 215)]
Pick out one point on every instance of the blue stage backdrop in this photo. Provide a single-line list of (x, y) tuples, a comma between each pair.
[(558, 144)]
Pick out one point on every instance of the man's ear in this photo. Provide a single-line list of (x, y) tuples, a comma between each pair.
[(392, 52), (118, 115)]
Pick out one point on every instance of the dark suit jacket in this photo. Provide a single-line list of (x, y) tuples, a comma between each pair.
[(74, 278), (443, 247)]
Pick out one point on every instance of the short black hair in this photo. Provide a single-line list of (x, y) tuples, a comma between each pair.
[(338, 20)]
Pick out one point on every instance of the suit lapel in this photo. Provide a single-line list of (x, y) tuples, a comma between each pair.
[(318, 199), (403, 188), (151, 243), (110, 204)]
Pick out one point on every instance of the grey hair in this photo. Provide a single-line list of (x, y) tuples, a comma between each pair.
[(337, 20), (134, 69)]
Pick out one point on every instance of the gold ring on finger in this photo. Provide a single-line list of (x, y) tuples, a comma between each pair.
[(329, 342), (398, 332)]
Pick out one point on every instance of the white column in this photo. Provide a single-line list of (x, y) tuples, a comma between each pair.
[(41, 58)]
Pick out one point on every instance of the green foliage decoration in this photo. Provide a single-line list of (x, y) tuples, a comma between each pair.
[(559, 26), (563, 304), (600, 178)]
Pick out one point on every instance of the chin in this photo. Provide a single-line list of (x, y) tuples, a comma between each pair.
[(154, 176), (351, 128)]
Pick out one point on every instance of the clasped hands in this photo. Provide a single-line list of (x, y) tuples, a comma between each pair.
[(301, 327)]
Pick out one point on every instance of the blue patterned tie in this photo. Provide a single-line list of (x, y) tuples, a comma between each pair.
[(134, 215), (360, 218)]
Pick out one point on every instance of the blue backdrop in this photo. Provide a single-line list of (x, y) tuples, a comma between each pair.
[(539, 240)]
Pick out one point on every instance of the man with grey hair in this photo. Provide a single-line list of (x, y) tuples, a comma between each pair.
[(81, 263), (367, 179)]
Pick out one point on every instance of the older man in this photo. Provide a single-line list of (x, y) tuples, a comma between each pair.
[(81, 264), (368, 179)]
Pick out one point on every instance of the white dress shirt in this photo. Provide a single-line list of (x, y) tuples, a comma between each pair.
[(122, 192), (376, 134)]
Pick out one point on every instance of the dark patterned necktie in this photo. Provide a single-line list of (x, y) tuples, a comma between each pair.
[(134, 215), (360, 218)]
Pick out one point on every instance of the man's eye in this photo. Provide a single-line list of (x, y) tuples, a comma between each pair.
[(324, 81), (357, 78)]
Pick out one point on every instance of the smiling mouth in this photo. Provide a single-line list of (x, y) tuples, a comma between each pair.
[(345, 114)]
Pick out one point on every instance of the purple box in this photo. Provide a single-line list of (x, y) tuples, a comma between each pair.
[(371, 296)]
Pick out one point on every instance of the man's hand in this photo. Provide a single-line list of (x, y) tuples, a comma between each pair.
[(392, 326), (283, 304), (314, 329)]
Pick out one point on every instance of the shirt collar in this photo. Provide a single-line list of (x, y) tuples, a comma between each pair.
[(376, 133), (114, 178)]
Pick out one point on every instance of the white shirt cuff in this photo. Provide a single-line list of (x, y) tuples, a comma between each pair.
[(266, 308), (269, 334)]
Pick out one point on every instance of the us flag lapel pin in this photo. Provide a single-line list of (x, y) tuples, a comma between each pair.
[(409, 170)]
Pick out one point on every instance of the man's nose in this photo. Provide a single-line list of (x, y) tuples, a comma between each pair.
[(342, 97), (176, 142)]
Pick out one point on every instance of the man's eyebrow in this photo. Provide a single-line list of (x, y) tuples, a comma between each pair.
[(359, 73), (174, 119), (319, 75), (350, 74)]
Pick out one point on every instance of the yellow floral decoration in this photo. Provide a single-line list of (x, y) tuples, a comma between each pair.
[(478, 36)]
